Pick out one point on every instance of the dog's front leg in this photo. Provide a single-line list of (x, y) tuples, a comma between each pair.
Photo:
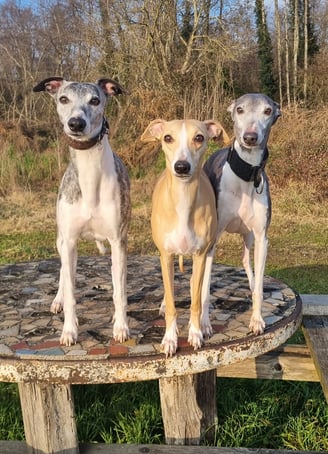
[(119, 278), (195, 337), (260, 252), (248, 241), (170, 339), (65, 296), (58, 302)]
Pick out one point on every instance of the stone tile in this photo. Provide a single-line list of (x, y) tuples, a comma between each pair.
[(50, 352), (118, 350), (76, 352), (4, 350), (271, 320)]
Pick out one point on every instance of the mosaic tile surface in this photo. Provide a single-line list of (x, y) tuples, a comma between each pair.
[(28, 328)]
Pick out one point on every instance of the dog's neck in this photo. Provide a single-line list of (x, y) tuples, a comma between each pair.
[(245, 170), (252, 156), (92, 166), (86, 144), (180, 189)]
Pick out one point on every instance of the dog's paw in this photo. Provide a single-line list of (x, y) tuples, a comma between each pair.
[(195, 337), (121, 332), (69, 334), (206, 326), (56, 306), (256, 325), (169, 345), (170, 340)]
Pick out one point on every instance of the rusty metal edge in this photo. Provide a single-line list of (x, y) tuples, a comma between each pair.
[(127, 369)]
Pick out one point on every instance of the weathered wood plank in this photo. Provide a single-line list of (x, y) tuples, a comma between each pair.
[(19, 447), (189, 407), (314, 304), (288, 362), (48, 415), (316, 334)]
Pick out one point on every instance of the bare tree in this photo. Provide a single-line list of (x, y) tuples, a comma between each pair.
[(286, 5), (295, 50), (279, 49), (306, 48)]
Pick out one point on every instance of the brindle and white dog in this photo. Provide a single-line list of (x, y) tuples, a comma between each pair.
[(93, 200)]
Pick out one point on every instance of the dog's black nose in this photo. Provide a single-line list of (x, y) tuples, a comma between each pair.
[(250, 138), (182, 167), (76, 124)]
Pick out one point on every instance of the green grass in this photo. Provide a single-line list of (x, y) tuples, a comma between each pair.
[(251, 413)]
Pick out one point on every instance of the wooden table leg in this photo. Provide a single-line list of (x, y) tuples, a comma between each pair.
[(189, 408), (48, 415)]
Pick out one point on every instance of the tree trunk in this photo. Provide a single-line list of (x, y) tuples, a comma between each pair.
[(279, 49), (306, 49), (295, 51)]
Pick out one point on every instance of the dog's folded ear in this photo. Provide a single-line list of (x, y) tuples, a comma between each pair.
[(111, 88), (49, 85), (153, 131), (217, 132), (277, 111)]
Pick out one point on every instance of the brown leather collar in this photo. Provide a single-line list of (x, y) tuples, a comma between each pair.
[(86, 144)]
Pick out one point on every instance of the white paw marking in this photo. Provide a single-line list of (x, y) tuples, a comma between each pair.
[(195, 337), (56, 306), (69, 334), (257, 325)]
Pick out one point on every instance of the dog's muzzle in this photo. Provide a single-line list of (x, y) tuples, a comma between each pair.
[(76, 124), (250, 138), (182, 168)]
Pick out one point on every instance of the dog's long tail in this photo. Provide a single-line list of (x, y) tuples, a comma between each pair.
[(181, 266)]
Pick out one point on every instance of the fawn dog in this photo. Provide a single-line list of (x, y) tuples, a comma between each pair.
[(184, 219), (93, 200), (242, 193)]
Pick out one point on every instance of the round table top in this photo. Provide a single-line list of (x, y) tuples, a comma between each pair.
[(29, 333)]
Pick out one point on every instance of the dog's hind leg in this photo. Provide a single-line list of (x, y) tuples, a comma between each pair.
[(119, 277), (206, 294), (195, 337)]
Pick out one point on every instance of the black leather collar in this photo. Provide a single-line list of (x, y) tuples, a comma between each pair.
[(86, 144), (244, 170)]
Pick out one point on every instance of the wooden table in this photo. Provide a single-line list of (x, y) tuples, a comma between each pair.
[(30, 353)]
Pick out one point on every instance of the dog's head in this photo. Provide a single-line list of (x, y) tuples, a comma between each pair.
[(80, 105), (253, 115), (184, 142)]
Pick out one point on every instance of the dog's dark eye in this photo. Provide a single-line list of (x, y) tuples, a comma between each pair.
[(240, 110), (63, 100), (199, 138), (94, 101), (168, 138), (268, 111)]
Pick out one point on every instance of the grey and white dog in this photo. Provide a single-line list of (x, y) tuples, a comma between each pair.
[(94, 199), (242, 194)]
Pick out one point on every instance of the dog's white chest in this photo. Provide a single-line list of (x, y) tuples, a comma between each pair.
[(182, 239), (240, 207), (183, 242)]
